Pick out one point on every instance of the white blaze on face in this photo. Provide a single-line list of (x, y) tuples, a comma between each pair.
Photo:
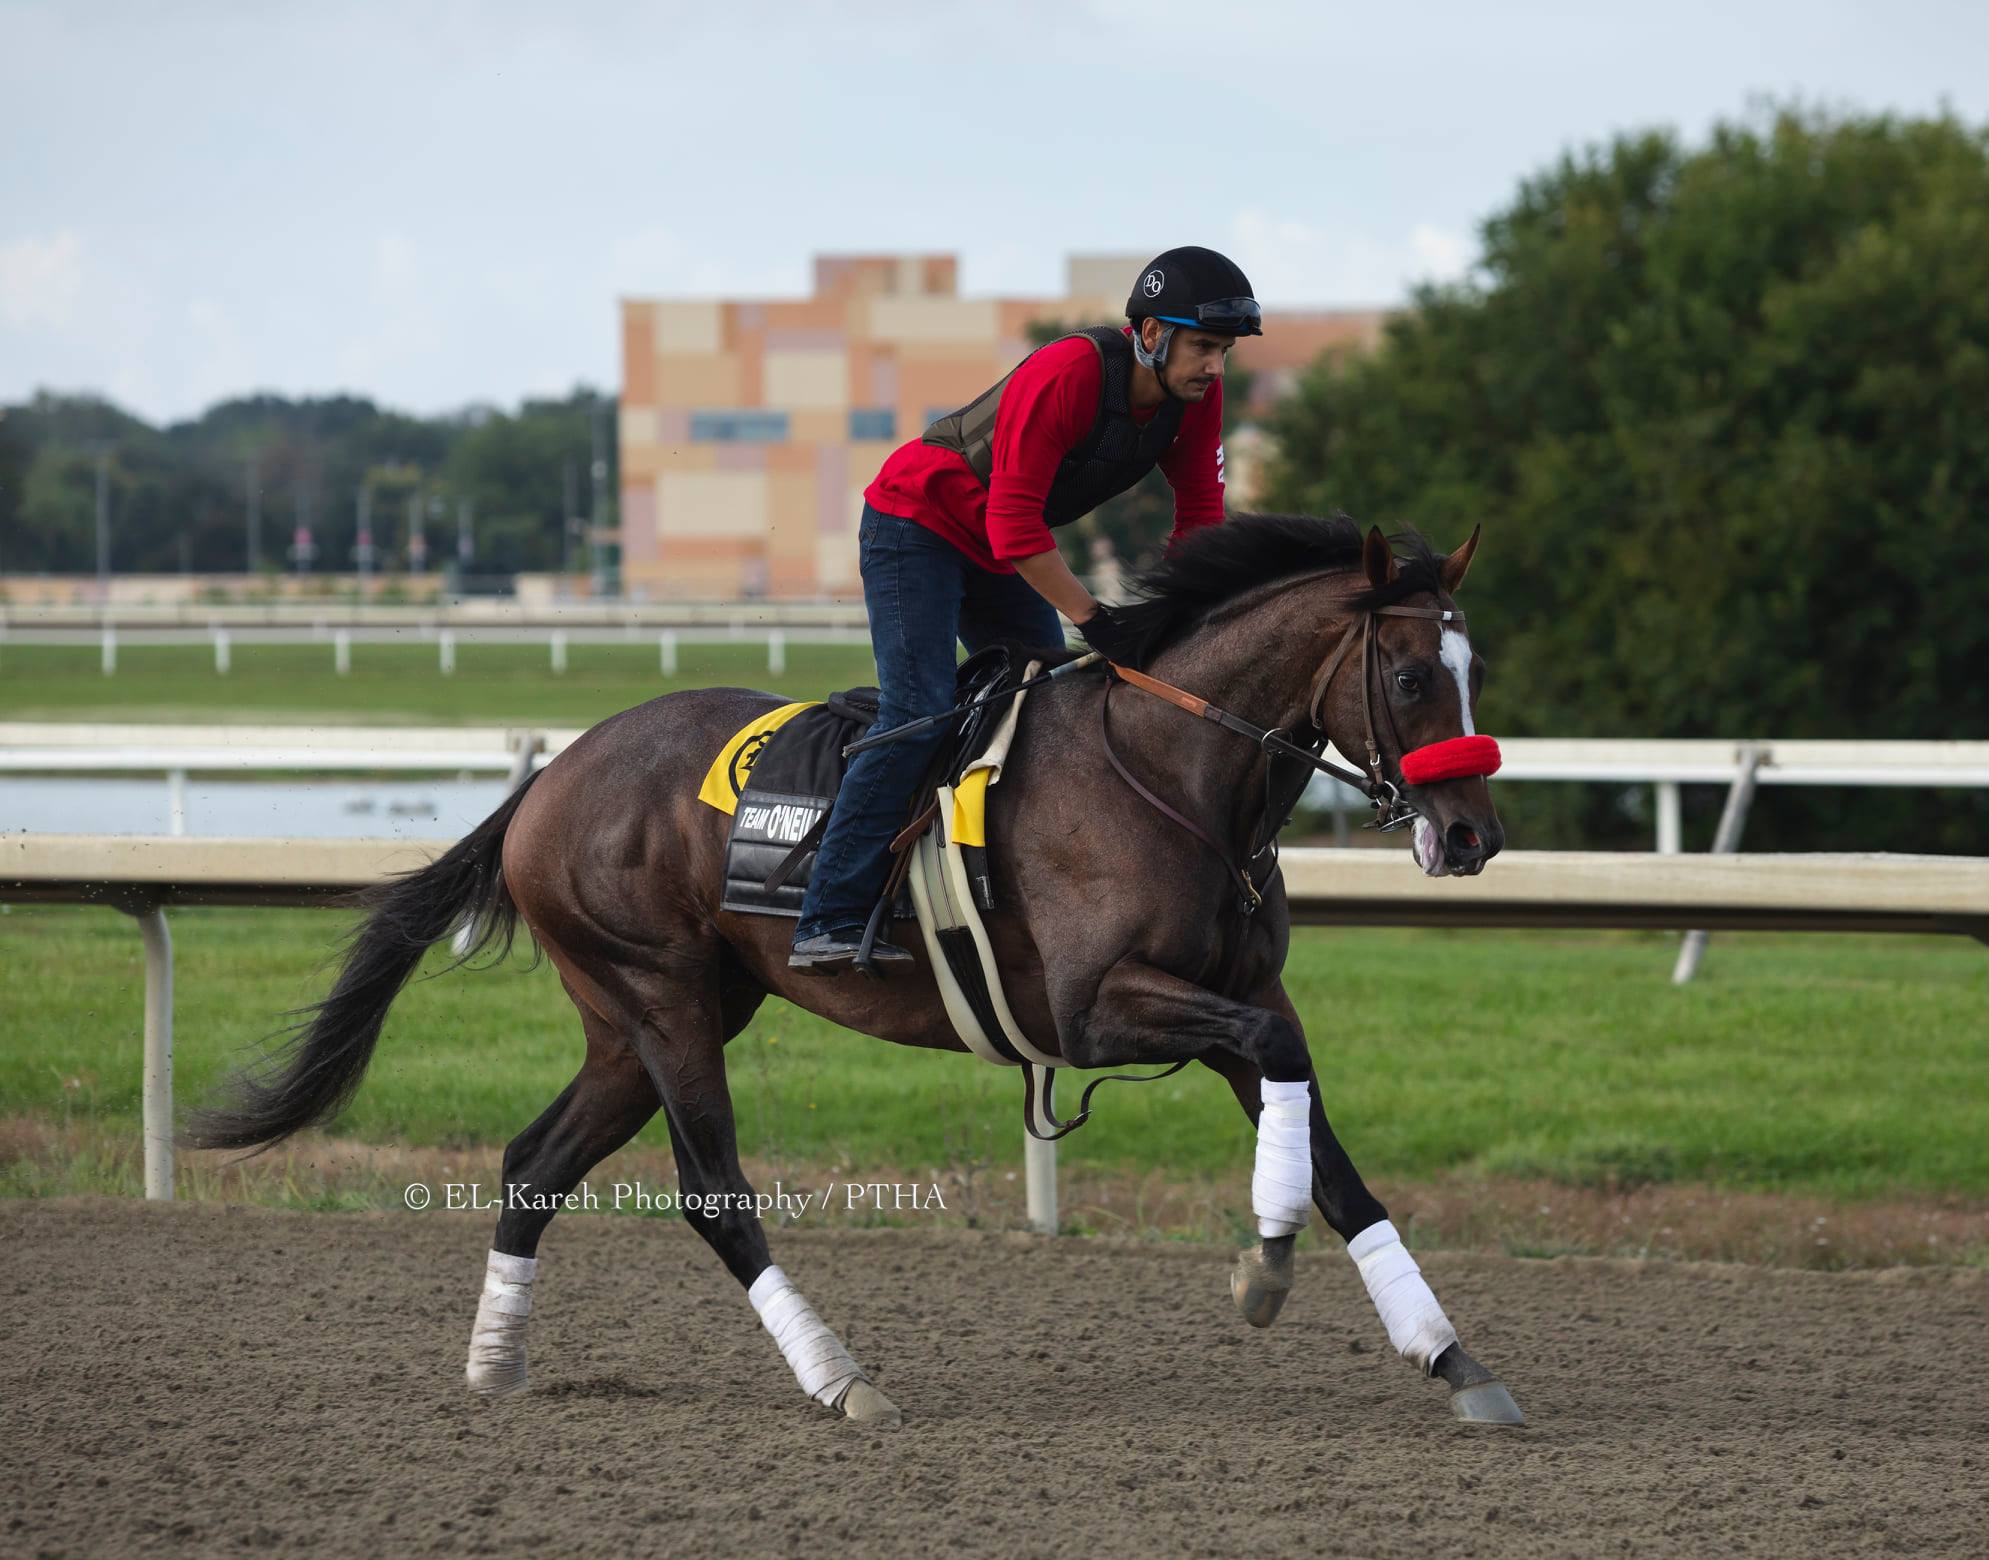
[(1455, 653)]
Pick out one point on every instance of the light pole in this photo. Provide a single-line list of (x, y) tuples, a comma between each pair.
[(417, 538), (597, 568), (255, 519), (301, 550), (103, 524), (363, 548), (567, 520), (465, 542)]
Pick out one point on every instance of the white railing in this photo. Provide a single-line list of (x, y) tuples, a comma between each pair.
[(448, 639), (141, 875), (25, 621), (1665, 764)]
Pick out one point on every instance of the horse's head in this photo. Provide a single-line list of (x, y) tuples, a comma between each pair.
[(1408, 699)]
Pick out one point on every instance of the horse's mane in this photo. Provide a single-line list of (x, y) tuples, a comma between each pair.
[(1215, 564)]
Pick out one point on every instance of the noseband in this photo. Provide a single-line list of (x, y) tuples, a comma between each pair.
[(1452, 759)]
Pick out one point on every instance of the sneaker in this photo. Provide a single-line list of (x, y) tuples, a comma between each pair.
[(830, 953)]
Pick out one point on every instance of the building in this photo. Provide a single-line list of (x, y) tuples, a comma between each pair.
[(749, 429)]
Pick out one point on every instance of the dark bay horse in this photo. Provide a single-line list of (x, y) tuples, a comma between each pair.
[(1121, 937)]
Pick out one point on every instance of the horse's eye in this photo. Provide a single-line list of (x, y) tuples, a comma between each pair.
[(1408, 682)]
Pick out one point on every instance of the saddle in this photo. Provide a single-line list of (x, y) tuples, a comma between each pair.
[(778, 778)]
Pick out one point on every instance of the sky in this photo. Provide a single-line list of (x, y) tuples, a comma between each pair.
[(436, 203)]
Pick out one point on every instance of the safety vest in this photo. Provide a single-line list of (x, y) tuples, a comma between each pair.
[(1113, 456)]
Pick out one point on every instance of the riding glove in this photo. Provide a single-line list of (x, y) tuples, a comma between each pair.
[(1106, 632)]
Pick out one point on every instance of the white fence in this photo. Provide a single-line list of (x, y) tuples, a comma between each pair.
[(141, 875), (448, 640), (27, 621), (1665, 764)]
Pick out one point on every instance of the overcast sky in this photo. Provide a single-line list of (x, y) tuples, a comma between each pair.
[(438, 203)]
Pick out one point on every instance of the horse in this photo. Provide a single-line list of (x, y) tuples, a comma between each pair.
[(1139, 922)]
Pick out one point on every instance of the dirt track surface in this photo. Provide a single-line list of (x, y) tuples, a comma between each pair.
[(204, 1379)]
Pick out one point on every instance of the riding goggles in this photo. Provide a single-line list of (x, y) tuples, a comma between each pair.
[(1231, 316)]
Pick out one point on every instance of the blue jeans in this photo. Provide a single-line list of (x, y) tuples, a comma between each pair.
[(922, 593)]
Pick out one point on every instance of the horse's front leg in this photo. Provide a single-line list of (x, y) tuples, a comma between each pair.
[(1415, 1322), (1143, 1014)]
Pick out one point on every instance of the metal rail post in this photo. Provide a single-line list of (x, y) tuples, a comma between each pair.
[(1726, 840), (157, 1090), (1668, 831), (1039, 1171)]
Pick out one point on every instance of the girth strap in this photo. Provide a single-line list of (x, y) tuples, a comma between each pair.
[(1048, 1111)]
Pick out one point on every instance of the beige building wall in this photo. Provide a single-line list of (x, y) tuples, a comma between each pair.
[(750, 428)]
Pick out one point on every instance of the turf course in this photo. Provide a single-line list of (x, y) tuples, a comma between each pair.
[(394, 684), (1845, 1066)]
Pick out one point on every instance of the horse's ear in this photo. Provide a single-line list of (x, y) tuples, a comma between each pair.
[(1454, 566), (1378, 558)]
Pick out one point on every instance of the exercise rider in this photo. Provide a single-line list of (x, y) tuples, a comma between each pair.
[(955, 540)]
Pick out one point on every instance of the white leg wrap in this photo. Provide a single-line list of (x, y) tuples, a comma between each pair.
[(1415, 1322), (1281, 1187), (497, 1343), (817, 1356)]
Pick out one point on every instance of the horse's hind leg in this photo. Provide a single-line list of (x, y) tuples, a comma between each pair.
[(684, 1030), (601, 1109)]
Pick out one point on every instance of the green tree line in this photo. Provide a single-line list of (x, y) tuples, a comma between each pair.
[(179, 497), (1723, 413)]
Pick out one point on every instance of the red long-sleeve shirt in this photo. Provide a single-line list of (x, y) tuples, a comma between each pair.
[(1047, 409)]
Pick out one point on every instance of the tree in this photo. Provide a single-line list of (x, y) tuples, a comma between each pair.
[(1725, 416), (177, 496)]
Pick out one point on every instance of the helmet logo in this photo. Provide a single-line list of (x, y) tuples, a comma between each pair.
[(1151, 283)]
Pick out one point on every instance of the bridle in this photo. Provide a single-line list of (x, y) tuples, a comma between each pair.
[(1382, 794), (1452, 758)]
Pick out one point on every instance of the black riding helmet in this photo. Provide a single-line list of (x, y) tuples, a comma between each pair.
[(1195, 287)]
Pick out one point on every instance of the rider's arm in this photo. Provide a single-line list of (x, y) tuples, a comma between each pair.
[(1047, 409), (1050, 577), (1193, 466)]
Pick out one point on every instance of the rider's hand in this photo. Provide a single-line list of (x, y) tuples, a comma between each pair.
[(1106, 632)]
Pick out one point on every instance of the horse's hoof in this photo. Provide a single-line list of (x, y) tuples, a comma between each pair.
[(1488, 1403), (1261, 1280), (864, 1404)]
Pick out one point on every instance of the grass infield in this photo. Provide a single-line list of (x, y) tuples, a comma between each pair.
[(394, 684), (1838, 1066)]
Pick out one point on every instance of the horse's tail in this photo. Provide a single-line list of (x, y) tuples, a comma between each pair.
[(312, 1075)]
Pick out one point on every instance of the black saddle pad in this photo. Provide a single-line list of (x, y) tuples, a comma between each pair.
[(785, 805), (791, 788)]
